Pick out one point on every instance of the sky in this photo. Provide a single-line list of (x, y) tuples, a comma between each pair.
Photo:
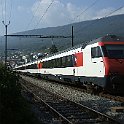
[(33, 14)]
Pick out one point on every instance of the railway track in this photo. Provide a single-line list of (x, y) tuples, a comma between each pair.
[(67, 111), (101, 94), (112, 97), (104, 95)]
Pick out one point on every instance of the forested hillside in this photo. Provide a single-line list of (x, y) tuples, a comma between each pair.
[(83, 31)]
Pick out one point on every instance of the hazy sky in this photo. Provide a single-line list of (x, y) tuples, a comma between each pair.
[(32, 14)]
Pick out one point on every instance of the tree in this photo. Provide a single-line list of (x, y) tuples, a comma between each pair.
[(14, 109), (53, 49)]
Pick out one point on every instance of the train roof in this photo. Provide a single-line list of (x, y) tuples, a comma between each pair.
[(84, 44), (107, 38), (33, 62)]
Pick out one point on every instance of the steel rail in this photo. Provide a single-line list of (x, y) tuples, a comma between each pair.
[(51, 108), (101, 115)]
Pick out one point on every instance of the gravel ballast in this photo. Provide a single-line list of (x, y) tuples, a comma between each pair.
[(98, 103)]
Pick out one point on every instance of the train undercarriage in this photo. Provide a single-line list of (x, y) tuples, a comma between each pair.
[(111, 85)]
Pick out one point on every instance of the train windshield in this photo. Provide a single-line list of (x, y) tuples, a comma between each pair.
[(115, 51)]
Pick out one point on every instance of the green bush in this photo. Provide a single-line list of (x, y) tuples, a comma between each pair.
[(13, 107)]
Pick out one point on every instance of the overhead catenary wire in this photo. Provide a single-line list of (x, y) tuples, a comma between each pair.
[(2, 13), (112, 12), (33, 16), (50, 6), (11, 7), (89, 7), (44, 14), (5, 11), (83, 12), (4, 21), (2, 9)]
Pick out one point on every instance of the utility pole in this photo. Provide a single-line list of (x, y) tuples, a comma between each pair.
[(6, 25), (72, 36)]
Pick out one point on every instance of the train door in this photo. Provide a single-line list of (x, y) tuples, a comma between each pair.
[(78, 62), (97, 62), (39, 66)]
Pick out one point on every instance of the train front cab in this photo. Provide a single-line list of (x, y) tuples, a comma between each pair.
[(113, 58)]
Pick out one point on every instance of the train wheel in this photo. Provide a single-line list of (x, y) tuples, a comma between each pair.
[(90, 89), (98, 89)]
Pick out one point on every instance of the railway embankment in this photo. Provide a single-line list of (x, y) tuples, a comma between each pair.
[(100, 104), (14, 109)]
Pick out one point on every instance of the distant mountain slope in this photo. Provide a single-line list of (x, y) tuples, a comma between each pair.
[(83, 31)]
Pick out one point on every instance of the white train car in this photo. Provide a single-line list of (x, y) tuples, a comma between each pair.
[(98, 64)]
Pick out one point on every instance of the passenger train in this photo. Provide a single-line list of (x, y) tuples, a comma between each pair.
[(99, 64)]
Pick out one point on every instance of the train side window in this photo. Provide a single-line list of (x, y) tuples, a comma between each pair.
[(22, 68), (50, 63), (69, 62), (44, 64), (96, 52), (73, 60), (58, 62), (32, 66), (54, 63), (63, 61)]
